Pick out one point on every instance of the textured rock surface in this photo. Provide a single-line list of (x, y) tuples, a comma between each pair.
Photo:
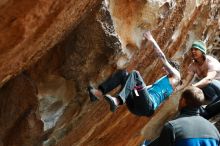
[(20, 123), (51, 51)]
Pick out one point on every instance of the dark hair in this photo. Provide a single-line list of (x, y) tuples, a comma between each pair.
[(174, 64), (193, 96)]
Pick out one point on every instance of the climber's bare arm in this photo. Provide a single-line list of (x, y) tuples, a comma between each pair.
[(171, 70)]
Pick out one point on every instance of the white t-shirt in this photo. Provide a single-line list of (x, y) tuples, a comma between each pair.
[(210, 64)]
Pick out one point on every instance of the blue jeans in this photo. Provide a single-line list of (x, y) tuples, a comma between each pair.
[(145, 143), (212, 94), (139, 105), (212, 91)]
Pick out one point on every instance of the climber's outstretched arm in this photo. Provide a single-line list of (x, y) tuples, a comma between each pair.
[(171, 70)]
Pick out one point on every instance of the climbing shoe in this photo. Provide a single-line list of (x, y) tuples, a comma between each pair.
[(91, 94), (111, 102)]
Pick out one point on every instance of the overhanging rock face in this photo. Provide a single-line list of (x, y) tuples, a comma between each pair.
[(51, 51)]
